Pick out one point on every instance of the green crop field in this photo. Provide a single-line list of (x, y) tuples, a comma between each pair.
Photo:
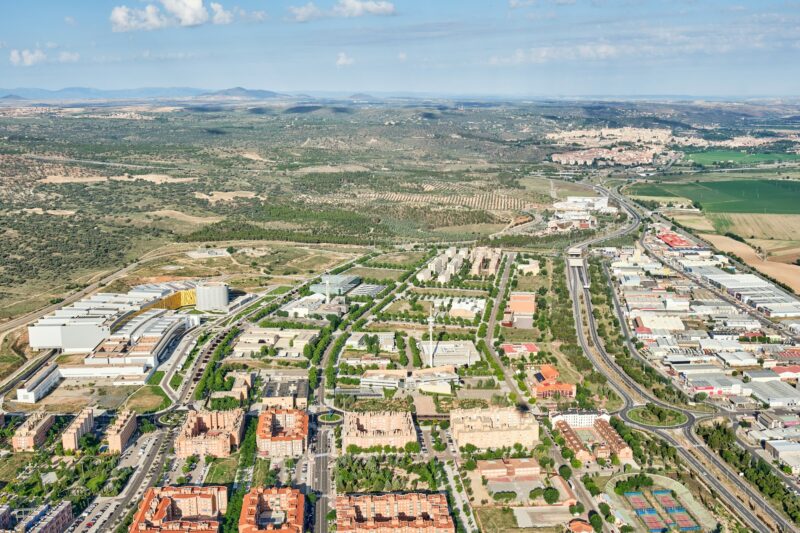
[(739, 196), (734, 156)]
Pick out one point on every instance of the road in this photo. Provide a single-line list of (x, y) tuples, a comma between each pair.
[(623, 384), (321, 480)]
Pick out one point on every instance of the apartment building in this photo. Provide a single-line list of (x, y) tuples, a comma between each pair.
[(273, 510), (214, 433), (277, 342), (120, 432), (282, 433), (187, 509), (33, 432), (590, 436), (79, 427), (240, 390), (48, 519), (366, 430), (509, 469), (493, 428), (286, 392), (395, 513)]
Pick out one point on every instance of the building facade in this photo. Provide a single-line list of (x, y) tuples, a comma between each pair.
[(120, 432), (272, 510), (393, 513), (493, 428), (181, 510), (79, 427), (33, 432), (366, 430), (282, 433), (214, 433)]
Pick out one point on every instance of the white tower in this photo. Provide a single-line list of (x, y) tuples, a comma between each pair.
[(327, 290)]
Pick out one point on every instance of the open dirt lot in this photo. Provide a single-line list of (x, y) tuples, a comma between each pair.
[(152, 178), (183, 217), (788, 274), (73, 395), (329, 169), (779, 251), (219, 196)]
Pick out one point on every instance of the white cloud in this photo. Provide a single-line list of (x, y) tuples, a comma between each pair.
[(343, 60), (359, 8), (547, 54), (305, 13), (70, 21), (185, 13), (250, 16), (124, 18), (220, 15), (516, 4), (342, 8), (68, 57), (188, 12), (402, 57), (26, 58)]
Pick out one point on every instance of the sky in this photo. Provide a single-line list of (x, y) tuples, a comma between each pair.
[(458, 47)]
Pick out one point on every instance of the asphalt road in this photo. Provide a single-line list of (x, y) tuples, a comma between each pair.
[(623, 383)]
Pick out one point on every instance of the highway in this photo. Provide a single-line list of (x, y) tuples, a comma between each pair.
[(627, 387)]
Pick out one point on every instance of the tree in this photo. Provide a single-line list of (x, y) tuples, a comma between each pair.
[(412, 447), (551, 495), (596, 521), (565, 471)]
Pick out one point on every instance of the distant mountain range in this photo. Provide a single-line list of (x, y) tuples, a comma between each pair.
[(88, 93), (241, 92)]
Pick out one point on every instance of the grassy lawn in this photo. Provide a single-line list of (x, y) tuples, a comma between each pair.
[(260, 472), (502, 520), (380, 274), (175, 381), (156, 378), (10, 464), (517, 335), (651, 418), (222, 471), (399, 259), (148, 399)]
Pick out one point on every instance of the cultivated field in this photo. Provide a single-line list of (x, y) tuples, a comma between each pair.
[(739, 196), (712, 157), (788, 274)]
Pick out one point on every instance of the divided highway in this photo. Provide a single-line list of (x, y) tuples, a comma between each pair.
[(626, 387)]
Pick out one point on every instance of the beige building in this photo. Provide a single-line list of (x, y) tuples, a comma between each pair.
[(181, 510), (213, 433), (33, 432), (48, 519), (272, 510), (493, 428), (275, 342), (282, 433), (121, 431), (394, 513), (366, 430), (79, 427), (242, 383), (285, 392)]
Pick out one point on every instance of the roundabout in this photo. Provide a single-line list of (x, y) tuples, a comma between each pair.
[(657, 416)]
